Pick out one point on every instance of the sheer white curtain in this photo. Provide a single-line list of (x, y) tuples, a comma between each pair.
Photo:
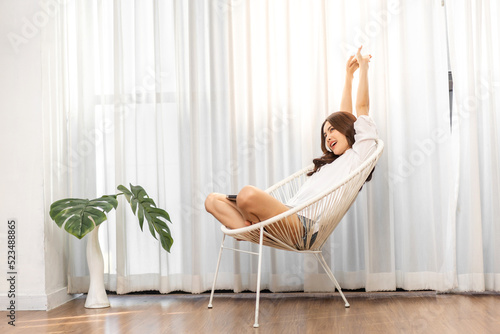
[(474, 32), (71, 137), (396, 236), (110, 96), (190, 97)]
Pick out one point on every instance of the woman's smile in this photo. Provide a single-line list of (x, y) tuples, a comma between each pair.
[(335, 140)]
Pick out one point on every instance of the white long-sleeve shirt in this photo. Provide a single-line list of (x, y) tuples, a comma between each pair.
[(330, 174)]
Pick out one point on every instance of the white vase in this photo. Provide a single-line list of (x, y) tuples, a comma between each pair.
[(96, 297)]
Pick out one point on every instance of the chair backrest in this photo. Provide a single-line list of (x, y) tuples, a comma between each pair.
[(325, 210)]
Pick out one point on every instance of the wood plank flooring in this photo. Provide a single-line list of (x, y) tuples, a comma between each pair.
[(388, 312)]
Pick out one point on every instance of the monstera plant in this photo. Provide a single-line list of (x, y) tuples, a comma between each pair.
[(83, 216)]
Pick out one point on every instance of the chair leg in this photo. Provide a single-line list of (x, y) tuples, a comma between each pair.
[(216, 271), (261, 241), (321, 260)]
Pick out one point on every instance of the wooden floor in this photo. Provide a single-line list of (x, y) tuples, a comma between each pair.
[(393, 312)]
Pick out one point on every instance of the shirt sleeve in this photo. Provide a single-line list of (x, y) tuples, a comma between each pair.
[(366, 134)]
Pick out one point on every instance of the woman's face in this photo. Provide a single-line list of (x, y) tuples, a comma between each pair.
[(335, 140)]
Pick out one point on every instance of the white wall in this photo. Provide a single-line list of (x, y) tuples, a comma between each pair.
[(40, 265)]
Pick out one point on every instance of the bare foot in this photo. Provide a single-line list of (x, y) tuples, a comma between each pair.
[(247, 223)]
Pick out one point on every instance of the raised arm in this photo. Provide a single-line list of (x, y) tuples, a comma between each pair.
[(362, 97), (351, 67)]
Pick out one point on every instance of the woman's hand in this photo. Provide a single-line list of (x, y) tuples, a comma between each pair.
[(351, 66), (362, 60), (362, 98)]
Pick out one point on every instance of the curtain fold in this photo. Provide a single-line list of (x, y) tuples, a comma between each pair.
[(191, 97), (474, 34)]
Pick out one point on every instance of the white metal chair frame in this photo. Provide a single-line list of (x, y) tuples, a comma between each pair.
[(325, 210)]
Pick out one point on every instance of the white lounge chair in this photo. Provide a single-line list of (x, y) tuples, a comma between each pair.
[(325, 212)]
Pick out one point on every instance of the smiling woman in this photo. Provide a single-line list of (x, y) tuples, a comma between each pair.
[(340, 137), (346, 142)]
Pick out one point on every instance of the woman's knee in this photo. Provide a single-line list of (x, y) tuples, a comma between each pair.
[(210, 202), (247, 197)]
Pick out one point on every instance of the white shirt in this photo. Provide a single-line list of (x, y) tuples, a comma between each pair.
[(331, 174)]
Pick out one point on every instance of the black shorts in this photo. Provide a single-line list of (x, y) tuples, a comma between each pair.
[(307, 223)]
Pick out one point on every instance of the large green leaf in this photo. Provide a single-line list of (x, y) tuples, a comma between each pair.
[(81, 216), (144, 207)]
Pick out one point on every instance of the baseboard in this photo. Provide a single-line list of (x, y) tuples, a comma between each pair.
[(59, 297), (43, 302)]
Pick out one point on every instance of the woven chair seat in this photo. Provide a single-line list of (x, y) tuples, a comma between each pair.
[(323, 212)]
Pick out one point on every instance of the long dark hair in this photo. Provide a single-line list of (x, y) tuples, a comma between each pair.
[(344, 123)]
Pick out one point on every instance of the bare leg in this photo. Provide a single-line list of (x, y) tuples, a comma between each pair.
[(257, 205), (225, 211), (254, 205)]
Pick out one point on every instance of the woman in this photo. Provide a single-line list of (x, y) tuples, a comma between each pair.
[(345, 141)]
